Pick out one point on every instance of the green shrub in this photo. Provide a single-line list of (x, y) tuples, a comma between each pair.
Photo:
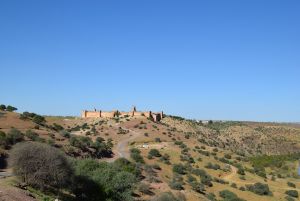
[(14, 136), (292, 193), (229, 196), (10, 108), (135, 154), (39, 119), (259, 188), (179, 169), (2, 107), (154, 153), (290, 184)]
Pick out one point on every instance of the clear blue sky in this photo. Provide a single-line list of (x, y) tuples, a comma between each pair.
[(231, 60)]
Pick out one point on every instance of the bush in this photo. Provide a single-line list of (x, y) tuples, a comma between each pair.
[(228, 156), (179, 168), (135, 154), (3, 141), (10, 108), (154, 152), (241, 171), (104, 181), (14, 136), (198, 187), (32, 135), (176, 185), (229, 196), (2, 107), (290, 184), (39, 119), (40, 165), (292, 193), (259, 188)]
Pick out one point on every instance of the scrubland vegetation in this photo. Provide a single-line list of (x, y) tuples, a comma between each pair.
[(176, 159)]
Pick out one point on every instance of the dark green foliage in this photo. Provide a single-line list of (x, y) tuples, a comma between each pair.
[(14, 136), (165, 158), (288, 198), (292, 193), (57, 127), (157, 139), (206, 180), (65, 134), (229, 196), (259, 188), (104, 181), (97, 149), (213, 166), (273, 160), (135, 154), (10, 108), (3, 141), (39, 119), (290, 184), (81, 142), (198, 187), (241, 171), (176, 183), (2, 107), (179, 169), (33, 136), (211, 197), (228, 156), (154, 153)]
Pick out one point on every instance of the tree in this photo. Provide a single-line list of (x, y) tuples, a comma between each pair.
[(10, 108), (154, 152), (2, 107), (40, 165)]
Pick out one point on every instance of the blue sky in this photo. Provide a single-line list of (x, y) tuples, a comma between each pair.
[(231, 60)]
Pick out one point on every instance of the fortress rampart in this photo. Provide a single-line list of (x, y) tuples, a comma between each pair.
[(155, 116)]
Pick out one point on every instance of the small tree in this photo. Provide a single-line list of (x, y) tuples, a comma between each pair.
[(10, 108), (154, 152), (40, 165), (2, 107)]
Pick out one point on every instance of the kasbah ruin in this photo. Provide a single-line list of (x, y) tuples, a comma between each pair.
[(154, 116)]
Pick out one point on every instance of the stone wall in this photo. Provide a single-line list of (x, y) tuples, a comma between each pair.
[(111, 114)]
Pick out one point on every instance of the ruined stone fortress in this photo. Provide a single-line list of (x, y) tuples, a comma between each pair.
[(155, 116)]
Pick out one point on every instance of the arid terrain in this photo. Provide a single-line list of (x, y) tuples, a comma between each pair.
[(193, 160)]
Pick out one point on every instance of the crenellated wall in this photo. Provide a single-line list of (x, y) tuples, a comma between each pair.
[(111, 114)]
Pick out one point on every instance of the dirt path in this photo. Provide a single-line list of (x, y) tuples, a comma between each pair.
[(122, 146), (232, 174), (122, 149)]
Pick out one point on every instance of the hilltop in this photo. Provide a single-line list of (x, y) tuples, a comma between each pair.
[(192, 160)]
